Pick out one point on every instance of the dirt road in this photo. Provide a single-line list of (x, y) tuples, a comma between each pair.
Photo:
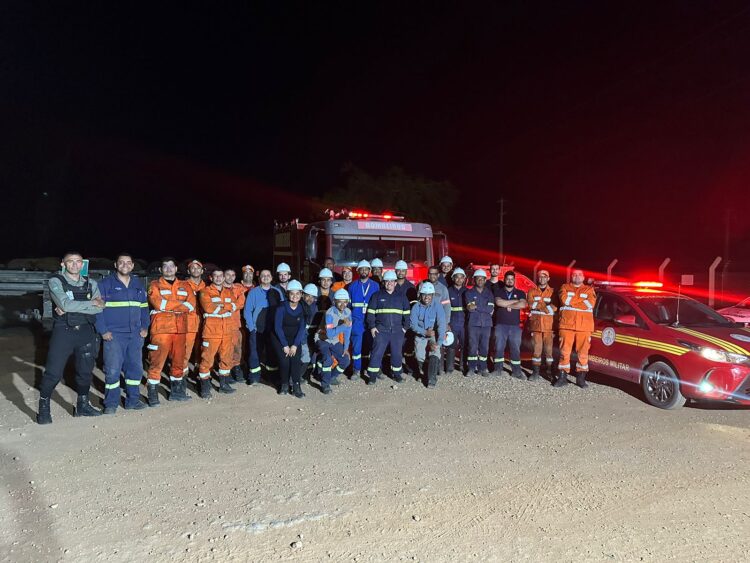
[(478, 469)]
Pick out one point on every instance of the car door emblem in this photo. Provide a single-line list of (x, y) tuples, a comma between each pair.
[(608, 336)]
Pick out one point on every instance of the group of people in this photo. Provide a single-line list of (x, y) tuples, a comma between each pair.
[(378, 324)]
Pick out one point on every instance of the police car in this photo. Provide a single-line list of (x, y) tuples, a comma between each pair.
[(675, 347)]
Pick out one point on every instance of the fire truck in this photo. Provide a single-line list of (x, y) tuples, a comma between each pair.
[(351, 236)]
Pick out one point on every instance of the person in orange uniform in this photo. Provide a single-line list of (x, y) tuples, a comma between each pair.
[(248, 277), (218, 304), (172, 301), (541, 317), (347, 276), (239, 291), (576, 325), (196, 284)]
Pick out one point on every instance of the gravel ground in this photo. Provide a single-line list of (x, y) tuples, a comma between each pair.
[(486, 469)]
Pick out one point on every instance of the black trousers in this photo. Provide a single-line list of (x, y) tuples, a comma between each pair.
[(81, 342), (289, 368)]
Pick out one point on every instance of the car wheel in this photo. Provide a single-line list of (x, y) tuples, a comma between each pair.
[(662, 386)]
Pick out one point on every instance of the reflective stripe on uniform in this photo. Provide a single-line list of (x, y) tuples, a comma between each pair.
[(189, 306), (224, 371), (152, 347), (111, 385), (125, 304), (163, 304), (205, 344), (575, 309), (166, 292), (132, 382), (570, 296)]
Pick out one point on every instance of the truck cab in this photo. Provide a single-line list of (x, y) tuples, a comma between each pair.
[(351, 236)]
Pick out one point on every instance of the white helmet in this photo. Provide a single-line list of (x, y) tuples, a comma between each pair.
[(283, 267), (325, 273), (480, 274), (458, 271), (390, 275), (427, 288), (341, 295), (294, 285), (376, 263), (363, 264), (401, 265), (311, 289), (449, 339), (446, 260)]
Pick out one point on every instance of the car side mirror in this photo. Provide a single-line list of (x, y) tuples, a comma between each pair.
[(625, 320)]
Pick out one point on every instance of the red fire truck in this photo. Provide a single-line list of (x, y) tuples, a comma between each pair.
[(351, 236)]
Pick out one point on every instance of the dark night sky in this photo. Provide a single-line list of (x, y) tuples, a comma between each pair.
[(619, 130)]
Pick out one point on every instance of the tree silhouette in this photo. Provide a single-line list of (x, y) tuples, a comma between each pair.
[(418, 198)]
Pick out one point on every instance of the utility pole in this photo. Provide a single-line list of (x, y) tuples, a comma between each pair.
[(501, 225)]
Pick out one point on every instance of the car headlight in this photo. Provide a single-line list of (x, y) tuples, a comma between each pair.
[(716, 355)]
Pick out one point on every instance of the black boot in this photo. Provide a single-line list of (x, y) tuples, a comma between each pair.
[(43, 416), (178, 391), (450, 360), (421, 371), (84, 408), (153, 395), (238, 374), (224, 386), (548, 371), (205, 388), (284, 389), (581, 379), (297, 390), (432, 371), (372, 377), (534, 373), (562, 379)]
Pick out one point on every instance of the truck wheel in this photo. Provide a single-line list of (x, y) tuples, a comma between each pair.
[(662, 386)]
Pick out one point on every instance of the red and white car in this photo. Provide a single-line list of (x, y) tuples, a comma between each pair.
[(739, 313), (675, 347)]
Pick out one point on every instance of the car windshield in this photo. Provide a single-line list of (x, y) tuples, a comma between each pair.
[(662, 309), (349, 251)]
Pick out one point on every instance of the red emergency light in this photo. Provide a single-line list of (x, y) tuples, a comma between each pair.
[(638, 284), (367, 215)]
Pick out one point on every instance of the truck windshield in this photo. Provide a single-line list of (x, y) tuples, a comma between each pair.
[(349, 251), (663, 310)]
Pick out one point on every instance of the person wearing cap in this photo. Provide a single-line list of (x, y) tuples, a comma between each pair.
[(259, 324), (479, 303), (325, 292), (377, 269), (457, 322), (240, 296), (248, 277), (347, 275), (509, 302), (387, 320), (195, 318), (427, 322), (288, 336), (218, 336), (312, 323), (333, 343), (360, 293), (542, 305), (446, 267), (576, 325)]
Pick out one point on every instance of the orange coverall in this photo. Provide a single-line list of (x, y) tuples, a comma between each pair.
[(541, 318), (218, 330), (171, 304), (240, 293), (576, 324), (194, 325)]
